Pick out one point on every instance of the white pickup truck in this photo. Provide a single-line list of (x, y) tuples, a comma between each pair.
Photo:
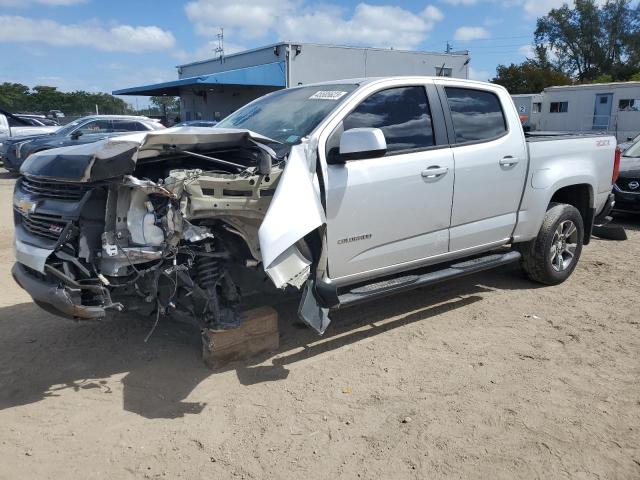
[(12, 126), (348, 190)]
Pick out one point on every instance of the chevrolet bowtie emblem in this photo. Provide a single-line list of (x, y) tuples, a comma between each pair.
[(26, 206)]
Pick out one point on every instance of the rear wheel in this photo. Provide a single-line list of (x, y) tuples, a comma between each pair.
[(552, 256)]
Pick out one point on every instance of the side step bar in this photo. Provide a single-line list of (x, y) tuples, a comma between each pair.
[(409, 282)]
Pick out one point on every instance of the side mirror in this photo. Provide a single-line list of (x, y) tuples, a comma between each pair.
[(629, 139), (76, 135), (361, 143)]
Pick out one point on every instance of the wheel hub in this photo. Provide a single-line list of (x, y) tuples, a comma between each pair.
[(564, 245)]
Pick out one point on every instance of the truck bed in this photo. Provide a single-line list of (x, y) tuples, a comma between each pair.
[(549, 136)]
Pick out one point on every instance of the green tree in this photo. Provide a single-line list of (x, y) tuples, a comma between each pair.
[(603, 78), (16, 97), (13, 95), (165, 105), (528, 77), (589, 40)]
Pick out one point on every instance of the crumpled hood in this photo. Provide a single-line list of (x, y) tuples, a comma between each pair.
[(113, 157)]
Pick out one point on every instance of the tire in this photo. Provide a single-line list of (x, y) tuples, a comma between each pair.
[(551, 257)]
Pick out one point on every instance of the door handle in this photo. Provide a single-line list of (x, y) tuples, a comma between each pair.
[(508, 161), (434, 171)]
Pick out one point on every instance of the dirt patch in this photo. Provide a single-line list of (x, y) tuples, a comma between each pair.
[(488, 377)]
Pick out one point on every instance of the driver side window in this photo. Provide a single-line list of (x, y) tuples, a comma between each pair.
[(402, 113)]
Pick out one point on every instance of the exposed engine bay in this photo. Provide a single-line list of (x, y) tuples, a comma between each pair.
[(177, 232), (175, 243)]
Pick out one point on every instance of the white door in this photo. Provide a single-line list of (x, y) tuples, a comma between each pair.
[(491, 165), (390, 210)]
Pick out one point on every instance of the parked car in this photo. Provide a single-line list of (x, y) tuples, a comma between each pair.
[(348, 190), (630, 141), (627, 187), (38, 120), (55, 114), (11, 126), (84, 130), (197, 123)]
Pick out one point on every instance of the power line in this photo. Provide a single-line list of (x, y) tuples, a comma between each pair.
[(497, 46), (497, 38)]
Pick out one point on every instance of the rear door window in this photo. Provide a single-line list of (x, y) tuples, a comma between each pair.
[(96, 126), (401, 113), (128, 126), (476, 114)]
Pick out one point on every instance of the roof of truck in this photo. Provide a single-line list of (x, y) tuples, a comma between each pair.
[(367, 80)]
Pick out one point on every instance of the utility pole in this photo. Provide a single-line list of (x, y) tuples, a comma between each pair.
[(220, 48)]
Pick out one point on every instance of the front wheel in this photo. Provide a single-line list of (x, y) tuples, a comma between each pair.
[(553, 255)]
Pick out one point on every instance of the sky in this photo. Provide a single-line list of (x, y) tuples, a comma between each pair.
[(104, 45)]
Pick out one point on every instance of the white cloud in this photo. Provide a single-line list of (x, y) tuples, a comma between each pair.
[(482, 75), (372, 25), (119, 38), (460, 2), (434, 14), (466, 34), (527, 50), (49, 3), (538, 8), (251, 19), (383, 26)]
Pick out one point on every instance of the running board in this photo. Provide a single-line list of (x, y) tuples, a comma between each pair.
[(409, 282)]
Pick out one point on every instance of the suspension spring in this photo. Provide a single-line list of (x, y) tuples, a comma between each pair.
[(209, 271)]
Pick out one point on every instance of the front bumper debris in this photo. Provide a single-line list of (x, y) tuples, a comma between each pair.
[(56, 298)]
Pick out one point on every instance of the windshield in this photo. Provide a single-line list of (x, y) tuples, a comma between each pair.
[(67, 129), (288, 115), (632, 151)]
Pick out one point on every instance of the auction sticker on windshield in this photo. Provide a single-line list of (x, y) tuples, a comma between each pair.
[(327, 95)]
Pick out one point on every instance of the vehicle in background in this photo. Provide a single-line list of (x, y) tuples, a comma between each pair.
[(55, 114), (627, 187), (348, 190), (84, 130), (197, 123), (12, 126), (630, 141), (37, 120)]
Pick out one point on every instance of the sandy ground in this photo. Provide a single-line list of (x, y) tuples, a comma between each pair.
[(489, 377)]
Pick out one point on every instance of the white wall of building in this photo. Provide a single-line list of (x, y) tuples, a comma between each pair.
[(306, 63), (318, 63)]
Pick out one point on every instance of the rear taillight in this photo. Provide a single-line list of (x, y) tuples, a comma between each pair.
[(616, 165)]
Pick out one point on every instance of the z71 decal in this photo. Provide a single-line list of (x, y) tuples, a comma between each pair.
[(602, 143)]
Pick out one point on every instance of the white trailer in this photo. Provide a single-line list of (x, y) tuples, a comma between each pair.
[(529, 106), (607, 107)]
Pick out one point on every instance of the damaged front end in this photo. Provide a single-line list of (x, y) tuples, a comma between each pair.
[(177, 222)]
